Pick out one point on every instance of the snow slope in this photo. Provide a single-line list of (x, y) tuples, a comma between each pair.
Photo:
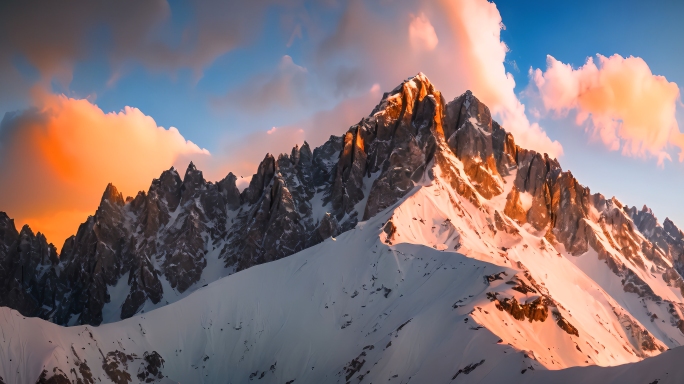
[(663, 369), (411, 301), (307, 317)]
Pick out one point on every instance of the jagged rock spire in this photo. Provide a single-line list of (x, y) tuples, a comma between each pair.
[(112, 195), (260, 179)]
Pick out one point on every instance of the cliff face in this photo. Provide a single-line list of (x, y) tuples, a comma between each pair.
[(28, 269), (140, 253)]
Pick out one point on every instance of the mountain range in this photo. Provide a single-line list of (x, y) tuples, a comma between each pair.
[(422, 245)]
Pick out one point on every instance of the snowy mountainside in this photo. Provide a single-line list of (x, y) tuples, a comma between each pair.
[(423, 245), (367, 299), (352, 309)]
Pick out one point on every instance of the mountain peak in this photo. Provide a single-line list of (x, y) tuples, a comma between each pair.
[(26, 231), (170, 176), (8, 232), (5, 220), (421, 77), (260, 179), (112, 195), (192, 173)]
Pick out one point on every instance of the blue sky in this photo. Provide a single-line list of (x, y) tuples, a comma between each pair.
[(226, 73)]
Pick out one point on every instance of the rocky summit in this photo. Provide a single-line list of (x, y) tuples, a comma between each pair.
[(423, 226)]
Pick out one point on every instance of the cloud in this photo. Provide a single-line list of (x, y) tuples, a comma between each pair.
[(386, 44), (285, 87), (457, 43), (53, 37), (422, 34), (619, 101), (57, 157), (296, 34)]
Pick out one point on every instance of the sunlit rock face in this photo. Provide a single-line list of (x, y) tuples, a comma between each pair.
[(143, 252)]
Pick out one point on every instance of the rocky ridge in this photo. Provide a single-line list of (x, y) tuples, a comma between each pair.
[(136, 254)]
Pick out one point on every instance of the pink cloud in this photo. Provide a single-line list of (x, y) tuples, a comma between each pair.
[(620, 102), (422, 34)]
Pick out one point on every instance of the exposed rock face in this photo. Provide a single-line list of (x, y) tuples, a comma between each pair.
[(401, 140), (667, 240), (28, 275), (184, 232), (276, 219), (536, 310), (502, 223), (564, 324), (158, 235), (328, 227), (57, 377), (514, 208), (480, 143)]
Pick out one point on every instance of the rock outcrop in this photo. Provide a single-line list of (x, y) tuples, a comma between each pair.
[(28, 269)]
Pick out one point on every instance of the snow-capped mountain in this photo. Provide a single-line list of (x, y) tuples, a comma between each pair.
[(423, 245)]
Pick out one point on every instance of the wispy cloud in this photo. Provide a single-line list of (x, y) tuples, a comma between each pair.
[(422, 34), (53, 37), (285, 87)]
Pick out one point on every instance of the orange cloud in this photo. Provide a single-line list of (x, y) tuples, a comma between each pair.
[(57, 158), (619, 100)]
